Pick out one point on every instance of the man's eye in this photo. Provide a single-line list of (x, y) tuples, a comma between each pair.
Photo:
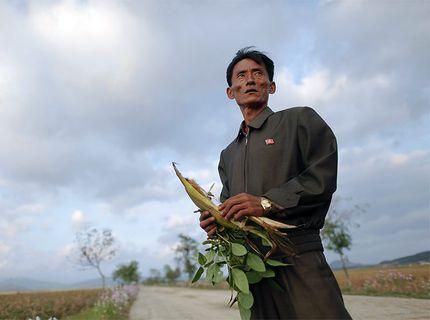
[(240, 75), (258, 73)]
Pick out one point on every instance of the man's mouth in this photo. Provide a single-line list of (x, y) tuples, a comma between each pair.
[(250, 91)]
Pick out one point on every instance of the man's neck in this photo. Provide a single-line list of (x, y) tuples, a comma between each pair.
[(249, 114)]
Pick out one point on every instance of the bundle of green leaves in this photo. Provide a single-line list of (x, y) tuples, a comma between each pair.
[(243, 247), (245, 265)]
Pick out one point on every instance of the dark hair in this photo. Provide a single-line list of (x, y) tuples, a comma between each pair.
[(250, 53)]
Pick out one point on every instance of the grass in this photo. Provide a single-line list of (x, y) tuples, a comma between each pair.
[(96, 304), (89, 314), (412, 281), (46, 304), (94, 314)]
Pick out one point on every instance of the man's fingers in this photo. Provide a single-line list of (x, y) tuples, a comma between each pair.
[(240, 214), (207, 222), (210, 228), (234, 209), (228, 204), (232, 201), (204, 215), (211, 232)]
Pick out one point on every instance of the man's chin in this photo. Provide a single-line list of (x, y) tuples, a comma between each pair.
[(254, 105)]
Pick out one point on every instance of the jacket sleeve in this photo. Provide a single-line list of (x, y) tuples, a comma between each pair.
[(318, 152), (225, 193)]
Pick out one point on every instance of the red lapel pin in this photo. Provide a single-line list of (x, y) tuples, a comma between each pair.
[(269, 141)]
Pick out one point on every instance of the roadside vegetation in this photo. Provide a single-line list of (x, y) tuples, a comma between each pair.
[(108, 304), (411, 281), (112, 304), (46, 304), (91, 249)]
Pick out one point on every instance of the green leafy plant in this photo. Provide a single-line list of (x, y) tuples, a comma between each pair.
[(127, 273), (186, 253), (244, 248), (245, 265)]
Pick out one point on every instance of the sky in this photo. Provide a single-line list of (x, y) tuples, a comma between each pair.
[(97, 98)]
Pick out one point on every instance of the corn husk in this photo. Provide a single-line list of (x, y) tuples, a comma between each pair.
[(264, 228)]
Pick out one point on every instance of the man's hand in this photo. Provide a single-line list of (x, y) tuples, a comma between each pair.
[(207, 223), (241, 205)]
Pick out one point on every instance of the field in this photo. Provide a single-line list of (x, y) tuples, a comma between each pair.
[(403, 281), (46, 304), (411, 281), (110, 304)]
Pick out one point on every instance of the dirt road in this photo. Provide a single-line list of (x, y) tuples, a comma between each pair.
[(165, 303)]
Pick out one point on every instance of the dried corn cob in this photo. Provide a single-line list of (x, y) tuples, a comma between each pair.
[(263, 227)]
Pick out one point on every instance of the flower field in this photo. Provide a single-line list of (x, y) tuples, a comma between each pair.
[(114, 304), (46, 304), (404, 281), (411, 281), (109, 304)]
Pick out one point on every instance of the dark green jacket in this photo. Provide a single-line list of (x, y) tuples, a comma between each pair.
[(290, 157)]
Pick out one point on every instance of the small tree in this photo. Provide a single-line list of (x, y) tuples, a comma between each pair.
[(94, 247), (154, 277), (170, 274), (338, 239), (336, 232), (186, 254), (127, 273)]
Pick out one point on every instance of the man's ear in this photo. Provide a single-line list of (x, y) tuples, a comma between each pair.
[(230, 93), (272, 87)]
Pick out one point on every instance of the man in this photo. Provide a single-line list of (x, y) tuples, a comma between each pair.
[(282, 165)]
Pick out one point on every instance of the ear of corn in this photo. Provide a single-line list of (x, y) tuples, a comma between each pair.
[(234, 247), (264, 227), (202, 200), (273, 223)]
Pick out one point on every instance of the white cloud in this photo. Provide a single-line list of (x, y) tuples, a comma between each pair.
[(167, 251), (176, 221), (79, 219), (19, 218), (4, 250), (313, 89), (397, 160), (78, 216), (356, 108), (77, 26)]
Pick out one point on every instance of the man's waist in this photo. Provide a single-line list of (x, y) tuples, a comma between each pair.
[(305, 240)]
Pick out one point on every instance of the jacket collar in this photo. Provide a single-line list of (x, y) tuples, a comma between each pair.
[(261, 118), (256, 123)]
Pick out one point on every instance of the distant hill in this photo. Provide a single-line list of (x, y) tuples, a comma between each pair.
[(25, 284), (89, 284), (422, 257), (337, 264)]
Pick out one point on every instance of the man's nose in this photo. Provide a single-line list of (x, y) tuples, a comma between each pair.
[(250, 79)]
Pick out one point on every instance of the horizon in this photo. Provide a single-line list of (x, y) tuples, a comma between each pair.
[(143, 277)]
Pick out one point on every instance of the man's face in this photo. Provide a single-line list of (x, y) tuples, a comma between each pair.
[(250, 84)]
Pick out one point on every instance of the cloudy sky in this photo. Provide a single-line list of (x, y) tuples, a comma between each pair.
[(97, 98)]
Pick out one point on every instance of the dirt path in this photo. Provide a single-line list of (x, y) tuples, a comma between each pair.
[(165, 303)]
